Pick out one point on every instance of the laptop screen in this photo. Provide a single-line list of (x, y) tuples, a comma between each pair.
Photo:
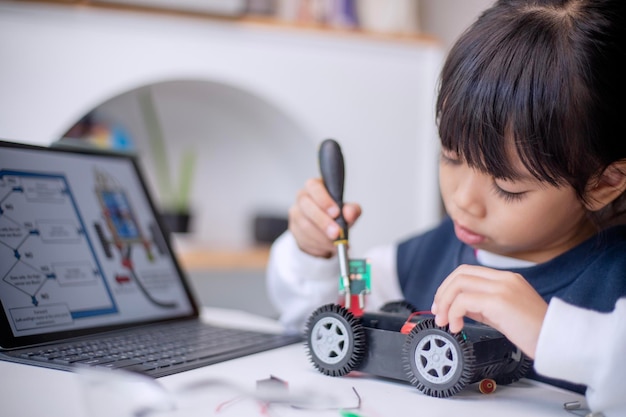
[(81, 249)]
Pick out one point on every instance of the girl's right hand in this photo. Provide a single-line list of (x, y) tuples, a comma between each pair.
[(311, 219)]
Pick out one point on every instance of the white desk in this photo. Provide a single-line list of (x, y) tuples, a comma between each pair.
[(33, 392)]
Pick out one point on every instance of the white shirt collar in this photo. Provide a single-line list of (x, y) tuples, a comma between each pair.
[(493, 260)]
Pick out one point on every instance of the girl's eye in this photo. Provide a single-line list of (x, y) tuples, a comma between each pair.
[(508, 196)]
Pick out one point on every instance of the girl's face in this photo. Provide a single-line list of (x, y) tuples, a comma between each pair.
[(524, 219)]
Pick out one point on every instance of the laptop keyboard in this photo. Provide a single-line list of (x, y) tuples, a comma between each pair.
[(158, 350)]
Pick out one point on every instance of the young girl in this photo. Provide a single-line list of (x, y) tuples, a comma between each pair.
[(531, 113)]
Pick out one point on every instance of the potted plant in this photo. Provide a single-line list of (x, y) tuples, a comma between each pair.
[(174, 193)]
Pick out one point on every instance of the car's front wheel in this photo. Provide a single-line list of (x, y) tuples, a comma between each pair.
[(437, 362), (335, 340)]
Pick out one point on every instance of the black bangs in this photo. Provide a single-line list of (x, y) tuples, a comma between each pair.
[(505, 85)]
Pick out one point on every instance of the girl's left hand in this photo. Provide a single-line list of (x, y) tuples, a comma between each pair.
[(501, 299)]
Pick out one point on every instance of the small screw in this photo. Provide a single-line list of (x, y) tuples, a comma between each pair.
[(572, 405)]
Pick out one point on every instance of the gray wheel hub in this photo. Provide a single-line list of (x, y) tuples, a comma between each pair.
[(436, 359), (330, 340)]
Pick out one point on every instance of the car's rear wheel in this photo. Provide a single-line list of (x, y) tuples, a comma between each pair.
[(335, 340), (438, 363), (517, 368), (398, 307)]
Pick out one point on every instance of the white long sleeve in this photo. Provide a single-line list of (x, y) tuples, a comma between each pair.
[(586, 347), (298, 283)]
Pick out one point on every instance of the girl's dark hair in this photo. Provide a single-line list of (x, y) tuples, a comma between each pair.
[(547, 76)]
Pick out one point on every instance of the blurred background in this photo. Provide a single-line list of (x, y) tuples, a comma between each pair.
[(225, 102)]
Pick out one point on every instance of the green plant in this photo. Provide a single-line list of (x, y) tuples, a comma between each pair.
[(175, 196)]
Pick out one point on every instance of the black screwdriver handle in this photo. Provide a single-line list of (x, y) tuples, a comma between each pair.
[(333, 173)]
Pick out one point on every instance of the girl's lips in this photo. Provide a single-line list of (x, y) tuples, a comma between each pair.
[(467, 236)]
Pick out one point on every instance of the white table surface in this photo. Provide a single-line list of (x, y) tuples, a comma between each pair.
[(230, 389)]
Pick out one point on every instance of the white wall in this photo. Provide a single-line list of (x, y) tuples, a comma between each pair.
[(446, 19), (251, 89)]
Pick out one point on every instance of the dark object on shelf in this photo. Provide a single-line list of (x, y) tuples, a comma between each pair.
[(176, 222), (397, 344), (268, 228)]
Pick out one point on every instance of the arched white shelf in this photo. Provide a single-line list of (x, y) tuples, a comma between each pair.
[(251, 156), (375, 97)]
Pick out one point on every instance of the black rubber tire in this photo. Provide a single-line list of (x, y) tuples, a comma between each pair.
[(514, 371), (335, 340), (437, 363)]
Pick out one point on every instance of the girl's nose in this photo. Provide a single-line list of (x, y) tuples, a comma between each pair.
[(469, 195)]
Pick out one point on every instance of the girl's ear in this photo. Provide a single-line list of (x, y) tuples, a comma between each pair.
[(602, 190)]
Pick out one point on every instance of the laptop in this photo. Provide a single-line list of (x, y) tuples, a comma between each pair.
[(87, 276)]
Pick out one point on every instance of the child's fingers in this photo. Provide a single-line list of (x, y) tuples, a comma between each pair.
[(501, 299), (308, 207), (443, 287), (473, 305), (318, 193), (459, 282), (312, 219), (351, 212), (310, 238), (313, 229)]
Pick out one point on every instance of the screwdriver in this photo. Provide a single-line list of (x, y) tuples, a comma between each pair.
[(333, 172)]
